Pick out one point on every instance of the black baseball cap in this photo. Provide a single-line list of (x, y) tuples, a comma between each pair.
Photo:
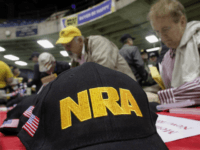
[(34, 54), (142, 51), (13, 67), (152, 54), (91, 107), (126, 36)]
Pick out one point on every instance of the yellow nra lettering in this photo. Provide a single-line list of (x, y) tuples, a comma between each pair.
[(99, 104)]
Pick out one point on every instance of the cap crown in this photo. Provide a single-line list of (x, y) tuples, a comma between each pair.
[(142, 51), (91, 104), (45, 61), (70, 31), (152, 54), (34, 54), (126, 36)]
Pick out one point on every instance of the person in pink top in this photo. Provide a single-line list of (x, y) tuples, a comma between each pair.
[(181, 64)]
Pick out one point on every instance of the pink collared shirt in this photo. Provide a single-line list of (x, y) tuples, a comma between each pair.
[(167, 68), (82, 60), (189, 90)]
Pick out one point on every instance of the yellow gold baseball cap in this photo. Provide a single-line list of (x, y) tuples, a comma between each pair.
[(67, 34)]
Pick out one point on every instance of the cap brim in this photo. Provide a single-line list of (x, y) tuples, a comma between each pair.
[(153, 142), (64, 40)]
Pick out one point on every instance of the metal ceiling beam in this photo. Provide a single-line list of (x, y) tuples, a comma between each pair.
[(122, 25), (149, 2), (110, 22), (131, 29)]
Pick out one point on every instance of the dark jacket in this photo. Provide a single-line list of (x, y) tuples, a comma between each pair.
[(24, 76), (36, 78), (60, 67), (132, 55)]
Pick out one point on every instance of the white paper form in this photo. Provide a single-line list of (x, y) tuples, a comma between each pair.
[(173, 128)]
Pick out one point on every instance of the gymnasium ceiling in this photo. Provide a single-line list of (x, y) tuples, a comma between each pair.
[(130, 19)]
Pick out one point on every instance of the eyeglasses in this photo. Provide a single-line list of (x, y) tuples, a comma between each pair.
[(164, 30)]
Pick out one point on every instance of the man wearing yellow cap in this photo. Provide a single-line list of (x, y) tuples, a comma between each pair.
[(95, 48)]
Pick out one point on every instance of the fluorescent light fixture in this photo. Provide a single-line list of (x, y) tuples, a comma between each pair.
[(45, 43), (64, 53), (11, 57), (2, 49), (153, 49), (21, 63), (151, 39)]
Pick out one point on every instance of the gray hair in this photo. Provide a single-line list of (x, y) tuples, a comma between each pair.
[(164, 8), (76, 38)]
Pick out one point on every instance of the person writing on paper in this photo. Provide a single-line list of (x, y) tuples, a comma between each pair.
[(96, 49), (181, 64), (48, 64), (37, 74)]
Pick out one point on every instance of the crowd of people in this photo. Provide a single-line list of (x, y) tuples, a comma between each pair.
[(138, 60), (99, 66)]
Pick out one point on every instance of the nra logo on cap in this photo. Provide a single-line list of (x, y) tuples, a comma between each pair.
[(99, 105)]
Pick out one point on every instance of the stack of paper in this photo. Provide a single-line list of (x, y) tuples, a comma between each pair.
[(193, 111), (178, 104), (174, 128), (49, 78)]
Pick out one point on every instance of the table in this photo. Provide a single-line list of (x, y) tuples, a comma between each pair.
[(191, 143)]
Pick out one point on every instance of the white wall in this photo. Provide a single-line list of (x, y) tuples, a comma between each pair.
[(44, 28)]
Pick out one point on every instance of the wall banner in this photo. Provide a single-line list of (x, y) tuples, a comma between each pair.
[(26, 31), (89, 15)]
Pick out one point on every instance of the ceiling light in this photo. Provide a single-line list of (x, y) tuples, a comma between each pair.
[(2, 49), (64, 53), (21, 63), (153, 49), (45, 43), (151, 39), (11, 57)]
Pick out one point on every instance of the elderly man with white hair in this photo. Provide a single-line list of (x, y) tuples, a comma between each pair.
[(181, 64), (48, 65)]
